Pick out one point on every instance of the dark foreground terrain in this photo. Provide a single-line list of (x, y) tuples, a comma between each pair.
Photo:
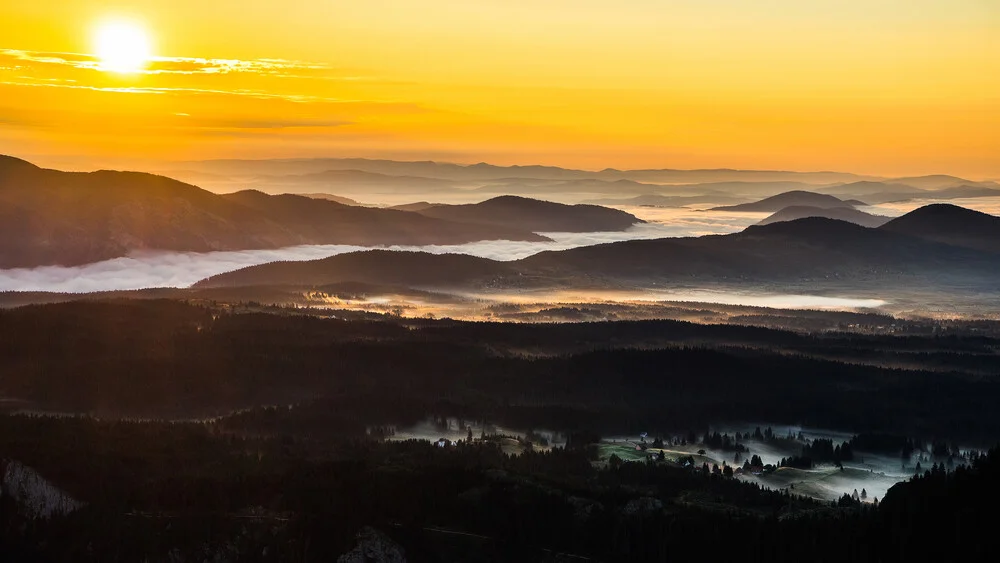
[(239, 432)]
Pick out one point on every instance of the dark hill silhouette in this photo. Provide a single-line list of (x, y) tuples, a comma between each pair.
[(932, 181), (74, 218), (839, 213), (372, 266), (787, 199), (811, 249), (332, 197), (325, 221), (950, 224), (415, 206), (533, 215), (10, 164), (808, 250), (882, 192), (71, 218)]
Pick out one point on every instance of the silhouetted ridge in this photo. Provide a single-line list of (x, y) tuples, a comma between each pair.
[(838, 213), (72, 218), (950, 224), (532, 215), (809, 228), (12, 163), (371, 266), (330, 221), (808, 250), (787, 199)]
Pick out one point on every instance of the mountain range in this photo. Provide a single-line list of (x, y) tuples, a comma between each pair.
[(486, 172), (906, 252), (949, 224), (848, 214), (888, 192), (50, 217), (529, 214), (351, 176), (787, 199)]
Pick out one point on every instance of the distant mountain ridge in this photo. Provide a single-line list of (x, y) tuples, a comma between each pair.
[(51, 217), (531, 215), (811, 250), (370, 266), (336, 198), (336, 223), (798, 198), (848, 214), (882, 192), (950, 224), (378, 179), (484, 171)]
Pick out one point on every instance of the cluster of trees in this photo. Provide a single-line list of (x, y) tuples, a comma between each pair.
[(171, 359), (723, 442), (818, 451), (158, 491)]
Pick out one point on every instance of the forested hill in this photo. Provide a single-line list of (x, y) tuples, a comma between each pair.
[(824, 252), (164, 358), (51, 217), (533, 215)]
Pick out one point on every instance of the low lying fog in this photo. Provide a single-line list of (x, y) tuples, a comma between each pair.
[(182, 269), (746, 298)]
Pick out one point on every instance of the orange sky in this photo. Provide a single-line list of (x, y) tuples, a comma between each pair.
[(888, 87)]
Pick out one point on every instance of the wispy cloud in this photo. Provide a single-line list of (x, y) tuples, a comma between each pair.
[(272, 123), (183, 65), (260, 94), (174, 75)]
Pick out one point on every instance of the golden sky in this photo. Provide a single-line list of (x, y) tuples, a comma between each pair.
[(889, 87)]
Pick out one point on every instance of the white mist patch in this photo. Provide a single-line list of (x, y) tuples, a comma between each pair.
[(747, 299), (695, 222), (182, 269), (779, 301)]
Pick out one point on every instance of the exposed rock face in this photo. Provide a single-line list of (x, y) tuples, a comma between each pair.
[(374, 547), (36, 496)]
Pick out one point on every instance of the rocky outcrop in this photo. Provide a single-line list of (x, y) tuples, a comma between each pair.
[(374, 547), (37, 497)]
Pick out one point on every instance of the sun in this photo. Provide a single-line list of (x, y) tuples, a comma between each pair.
[(122, 46)]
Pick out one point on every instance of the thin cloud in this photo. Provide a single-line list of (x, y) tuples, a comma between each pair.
[(42, 69), (182, 65), (271, 123), (259, 94)]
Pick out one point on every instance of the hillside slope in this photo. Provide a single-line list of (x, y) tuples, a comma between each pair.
[(847, 214), (51, 217), (950, 224), (787, 199), (533, 215), (814, 250)]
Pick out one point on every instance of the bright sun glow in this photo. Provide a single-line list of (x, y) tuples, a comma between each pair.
[(122, 47)]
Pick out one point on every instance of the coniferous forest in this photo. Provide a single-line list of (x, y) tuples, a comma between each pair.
[(175, 431)]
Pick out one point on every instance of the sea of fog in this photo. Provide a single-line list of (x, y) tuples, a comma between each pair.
[(182, 269)]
